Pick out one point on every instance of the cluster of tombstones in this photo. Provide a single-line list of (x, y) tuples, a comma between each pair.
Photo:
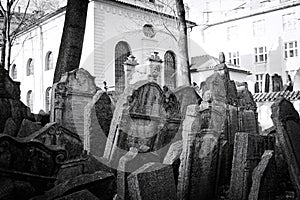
[(153, 143)]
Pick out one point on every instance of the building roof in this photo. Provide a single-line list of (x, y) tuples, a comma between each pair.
[(272, 96), (252, 13), (207, 62)]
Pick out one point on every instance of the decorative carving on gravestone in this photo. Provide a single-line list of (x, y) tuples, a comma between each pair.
[(98, 115), (129, 67), (287, 122), (248, 149), (277, 83), (71, 94), (155, 68), (56, 135), (31, 161), (146, 118)]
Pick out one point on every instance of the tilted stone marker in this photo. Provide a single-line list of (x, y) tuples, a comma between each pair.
[(97, 119), (81, 195), (248, 149), (257, 188), (153, 181), (287, 123)]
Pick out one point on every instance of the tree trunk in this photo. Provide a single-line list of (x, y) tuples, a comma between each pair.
[(3, 47), (183, 57), (72, 38)]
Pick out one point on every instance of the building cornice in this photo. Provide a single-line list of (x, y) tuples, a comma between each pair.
[(251, 15), (189, 23)]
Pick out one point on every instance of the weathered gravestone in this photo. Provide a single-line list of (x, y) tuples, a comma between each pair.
[(287, 123), (248, 149), (57, 136), (209, 129), (130, 162), (198, 167), (81, 195), (100, 184), (29, 161), (145, 118), (69, 98), (12, 110), (28, 127), (153, 181), (97, 119), (258, 183)]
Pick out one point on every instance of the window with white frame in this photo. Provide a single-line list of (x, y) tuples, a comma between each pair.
[(260, 54), (259, 82), (232, 33), (234, 57), (290, 49), (289, 21), (258, 28)]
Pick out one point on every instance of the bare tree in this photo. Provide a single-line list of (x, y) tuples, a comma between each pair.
[(12, 23), (72, 38)]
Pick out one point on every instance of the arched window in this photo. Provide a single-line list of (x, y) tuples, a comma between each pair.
[(48, 99), (13, 71), (30, 67), (170, 69), (49, 61), (122, 51), (29, 100)]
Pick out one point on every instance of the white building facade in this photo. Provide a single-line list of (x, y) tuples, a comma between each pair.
[(114, 30), (262, 37)]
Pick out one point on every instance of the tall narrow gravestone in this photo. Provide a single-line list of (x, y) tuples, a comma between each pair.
[(97, 119), (71, 94), (287, 122), (248, 149), (145, 118)]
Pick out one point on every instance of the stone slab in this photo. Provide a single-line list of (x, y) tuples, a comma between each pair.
[(153, 181)]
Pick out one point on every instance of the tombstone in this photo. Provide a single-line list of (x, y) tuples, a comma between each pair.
[(97, 119), (28, 127), (153, 181), (69, 98), (267, 83), (31, 161), (145, 118), (198, 166), (186, 96), (286, 121), (129, 68), (83, 194), (100, 184), (258, 188), (56, 135), (277, 83), (248, 149)]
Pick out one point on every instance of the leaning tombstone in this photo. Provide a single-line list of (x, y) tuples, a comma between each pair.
[(97, 119), (153, 181), (263, 188), (286, 120), (248, 149)]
